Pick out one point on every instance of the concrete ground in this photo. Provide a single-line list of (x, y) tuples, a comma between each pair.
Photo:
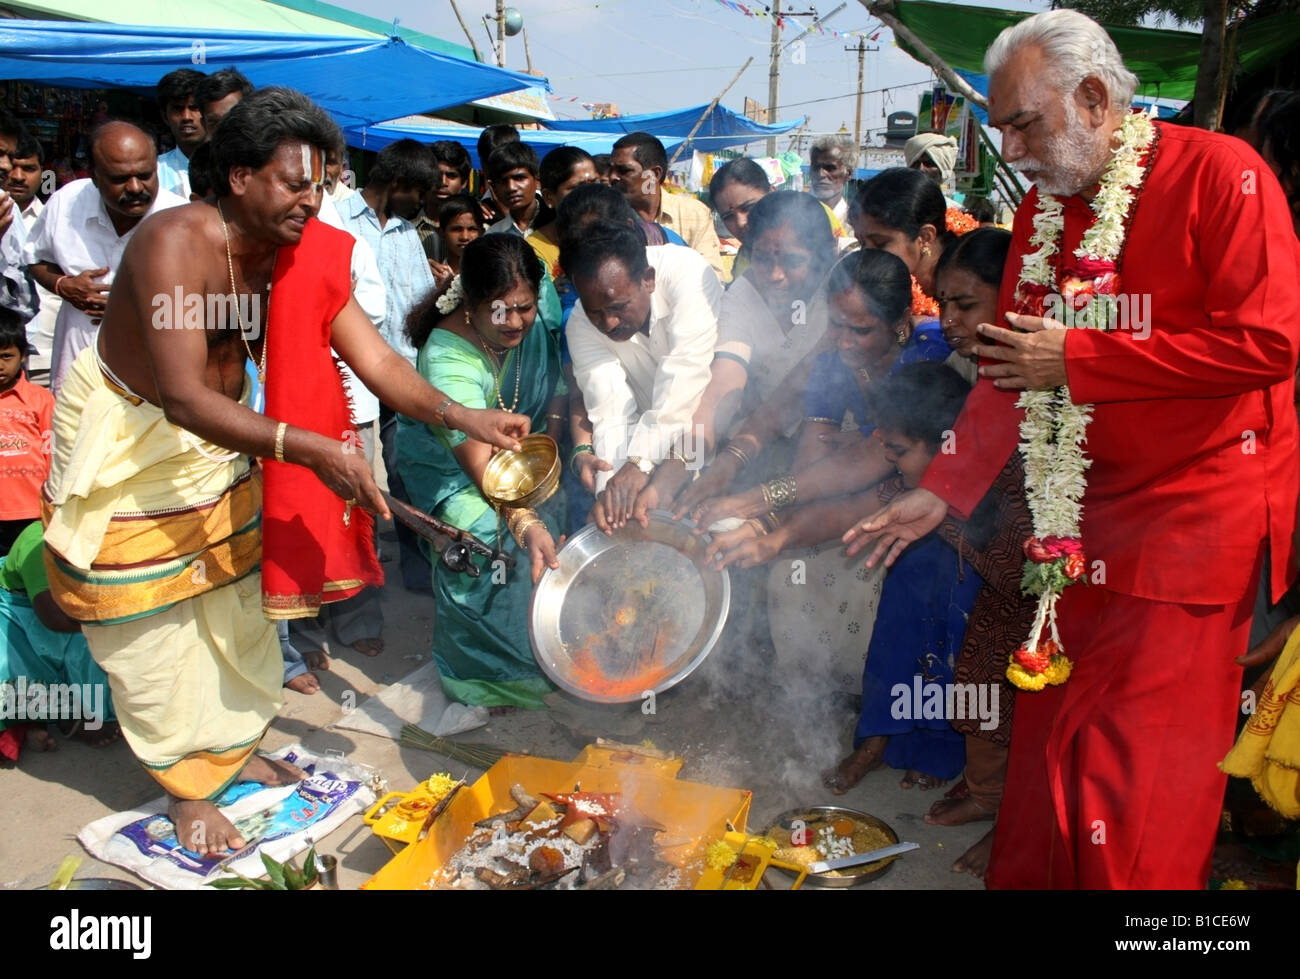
[(737, 722)]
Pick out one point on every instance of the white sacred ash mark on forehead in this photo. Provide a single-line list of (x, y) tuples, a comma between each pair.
[(305, 150)]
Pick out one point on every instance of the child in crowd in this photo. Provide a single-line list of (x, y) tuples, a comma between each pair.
[(926, 600), (26, 412)]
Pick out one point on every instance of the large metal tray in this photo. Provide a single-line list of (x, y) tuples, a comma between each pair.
[(579, 621)]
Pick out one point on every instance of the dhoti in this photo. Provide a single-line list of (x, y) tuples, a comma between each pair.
[(1113, 780), (152, 542)]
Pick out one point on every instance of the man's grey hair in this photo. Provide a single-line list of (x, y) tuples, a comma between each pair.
[(1075, 46), (848, 152)]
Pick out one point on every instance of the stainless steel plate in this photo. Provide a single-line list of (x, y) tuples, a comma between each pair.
[(853, 876), (628, 613)]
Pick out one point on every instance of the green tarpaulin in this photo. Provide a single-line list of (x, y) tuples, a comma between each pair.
[(1164, 61)]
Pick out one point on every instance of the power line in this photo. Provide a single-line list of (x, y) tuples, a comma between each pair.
[(853, 94)]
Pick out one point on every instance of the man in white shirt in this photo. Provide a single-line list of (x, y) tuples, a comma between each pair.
[(380, 215), (24, 182), (831, 163), (17, 290), (77, 243), (181, 113), (642, 340)]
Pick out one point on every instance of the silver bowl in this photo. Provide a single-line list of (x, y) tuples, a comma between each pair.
[(629, 613)]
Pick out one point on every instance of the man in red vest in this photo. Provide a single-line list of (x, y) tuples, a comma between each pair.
[(1191, 492), (158, 536)]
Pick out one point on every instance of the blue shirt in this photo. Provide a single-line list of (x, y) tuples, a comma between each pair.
[(833, 391), (403, 266), (174, 172)]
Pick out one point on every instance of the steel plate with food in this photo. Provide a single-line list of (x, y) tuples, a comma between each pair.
[(630, 612), (806, 836)]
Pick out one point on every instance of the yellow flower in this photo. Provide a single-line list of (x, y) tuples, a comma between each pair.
[(719, 855), (1024, 680), (1232, 884), (1059, 671)]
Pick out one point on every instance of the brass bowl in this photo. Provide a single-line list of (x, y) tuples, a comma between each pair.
[(526, 478)]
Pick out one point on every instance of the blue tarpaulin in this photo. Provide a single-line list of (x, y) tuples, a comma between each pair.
[(431, 130), (357, 80), (574, 133), (721, 129)]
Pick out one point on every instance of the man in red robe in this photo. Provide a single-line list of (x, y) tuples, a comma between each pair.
[(1192, 491)]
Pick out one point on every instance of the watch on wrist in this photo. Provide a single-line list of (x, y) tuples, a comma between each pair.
[(645, 465)]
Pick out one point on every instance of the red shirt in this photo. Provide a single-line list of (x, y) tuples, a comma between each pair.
[(26, 411), (1195, 457)]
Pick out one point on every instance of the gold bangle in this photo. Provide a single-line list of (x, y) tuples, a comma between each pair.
[(736, 451), (771, 521), (521, 530), (780, 492), (279, 440), (518, 515), (757, 524)]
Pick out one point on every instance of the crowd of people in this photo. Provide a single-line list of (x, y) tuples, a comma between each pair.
[(189, 495)]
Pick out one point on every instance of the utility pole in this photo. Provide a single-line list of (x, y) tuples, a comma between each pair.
[(774, 73), (501, 33), (862, 50)]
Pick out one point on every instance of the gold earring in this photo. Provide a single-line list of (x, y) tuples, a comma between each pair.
[(925, 251), (902, 338)]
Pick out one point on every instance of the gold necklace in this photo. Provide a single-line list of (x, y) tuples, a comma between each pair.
[(500, 365), (244, 330)]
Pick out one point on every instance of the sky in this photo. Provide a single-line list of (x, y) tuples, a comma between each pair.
[(656, 55)]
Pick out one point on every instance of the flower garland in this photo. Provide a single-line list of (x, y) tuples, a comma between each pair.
[(449, 300), (1054, 428)]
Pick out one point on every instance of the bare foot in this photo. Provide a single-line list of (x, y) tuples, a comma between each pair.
[(304, 683), (110, 733), (201, 828), (975, 861), (867, 757), (317, 659), (37, 738), (271, 771), (957, 812), (921, 780), (371, 647)]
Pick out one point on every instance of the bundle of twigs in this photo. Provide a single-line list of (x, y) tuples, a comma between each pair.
[(481, 756)]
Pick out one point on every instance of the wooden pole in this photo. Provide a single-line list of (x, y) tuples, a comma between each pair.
[(501, 33), (478, 56), (709, 111), (528, 53), (857, 115), (774, 73), (881, 11)]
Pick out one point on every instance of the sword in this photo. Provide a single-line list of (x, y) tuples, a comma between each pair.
[(451, 543)]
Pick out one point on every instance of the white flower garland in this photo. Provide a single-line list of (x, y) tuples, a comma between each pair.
[(1054, 429), (449, 300)]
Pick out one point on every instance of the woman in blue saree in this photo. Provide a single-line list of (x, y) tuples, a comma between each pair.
[(484, 342)]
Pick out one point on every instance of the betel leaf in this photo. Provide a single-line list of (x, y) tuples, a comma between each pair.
[(293, 878), (275, 871), (311, 871)]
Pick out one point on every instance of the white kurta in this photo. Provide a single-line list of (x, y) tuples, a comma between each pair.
[(641, 393), (76, 234)]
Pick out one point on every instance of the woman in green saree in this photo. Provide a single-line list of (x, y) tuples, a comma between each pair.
[(484, 341)]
